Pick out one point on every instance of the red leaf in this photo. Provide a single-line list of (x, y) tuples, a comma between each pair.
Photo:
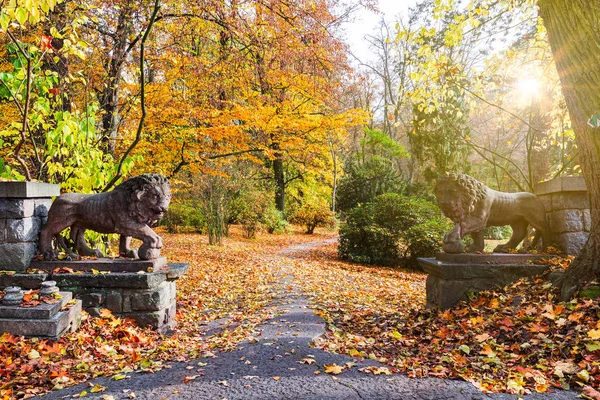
[(46, 42)]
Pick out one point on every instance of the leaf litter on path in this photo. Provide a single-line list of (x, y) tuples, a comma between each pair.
[(518, 339)]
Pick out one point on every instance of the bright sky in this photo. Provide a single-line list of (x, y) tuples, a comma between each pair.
[(366, 22)]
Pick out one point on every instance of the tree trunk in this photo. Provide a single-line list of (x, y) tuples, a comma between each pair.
[(572, 27), (109, 99), (279, 177), (57, 61)]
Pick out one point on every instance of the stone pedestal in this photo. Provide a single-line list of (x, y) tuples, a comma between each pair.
[(453, 276), (44, 320), (23, 210), (146, 291), (567, 205)]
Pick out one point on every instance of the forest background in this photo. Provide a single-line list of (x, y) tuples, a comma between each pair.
[(258, 114)]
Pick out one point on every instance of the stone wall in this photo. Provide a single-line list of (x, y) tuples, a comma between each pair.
[(567, 210), (148, 298), (23, 210)]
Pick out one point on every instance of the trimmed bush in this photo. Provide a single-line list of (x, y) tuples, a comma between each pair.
[(313, 214), (392, 230)]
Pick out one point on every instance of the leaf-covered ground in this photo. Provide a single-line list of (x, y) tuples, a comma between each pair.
[(235, 281), (517, 340)]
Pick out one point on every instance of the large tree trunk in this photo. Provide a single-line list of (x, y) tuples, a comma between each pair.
[(574, 35), (279, 176)]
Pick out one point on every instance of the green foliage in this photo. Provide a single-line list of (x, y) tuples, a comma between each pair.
[(312, 214), (372, 171), (391, 230), (274, 221), (497, 232), (73, 159), (185, 214), (438, 140)]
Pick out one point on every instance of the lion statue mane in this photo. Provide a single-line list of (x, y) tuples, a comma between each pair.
[(131, 209), (473, 206)]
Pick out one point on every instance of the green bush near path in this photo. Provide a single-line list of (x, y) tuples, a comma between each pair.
[(392, 230)]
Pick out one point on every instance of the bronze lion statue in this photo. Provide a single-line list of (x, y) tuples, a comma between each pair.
[(473, 206), (129, 210)]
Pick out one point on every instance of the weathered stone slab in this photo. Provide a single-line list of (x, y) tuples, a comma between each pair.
[(16, 208), (176, 270), (91, 299), (147, 297), (41, 207), (148, 280), (104, 264), (449, 283), (566, 221), (571, 242), (26, 281), (570, 200), (2, 230), (28, 189), (562, 184), (42, 311), (23, 229), (154, 300), (16, 256), (494, 258), (162, 320), (60, 323)]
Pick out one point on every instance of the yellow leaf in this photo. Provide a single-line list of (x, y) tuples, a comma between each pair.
[(333, 369), (594, 334), (487, 351), (98, 388)]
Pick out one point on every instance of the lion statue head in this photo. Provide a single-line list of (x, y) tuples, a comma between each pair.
[(150, 196), (457, 195)]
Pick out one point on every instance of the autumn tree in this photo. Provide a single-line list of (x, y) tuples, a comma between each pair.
[(572, 28)]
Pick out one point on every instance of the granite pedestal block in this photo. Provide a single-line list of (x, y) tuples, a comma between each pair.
[(453, 276), (567, 205), (147, 297), (23, 210), (44, 320)]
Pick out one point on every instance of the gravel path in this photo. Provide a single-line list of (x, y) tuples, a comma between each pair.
[(274, 366)]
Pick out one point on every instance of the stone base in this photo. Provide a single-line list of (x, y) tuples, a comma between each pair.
[(147, 297), (450, 281), (44, 320), (103, 264)]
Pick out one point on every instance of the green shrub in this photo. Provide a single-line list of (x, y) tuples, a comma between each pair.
[(313, 214), (392, 230), (497, 232), (184, 215), (274, 221)]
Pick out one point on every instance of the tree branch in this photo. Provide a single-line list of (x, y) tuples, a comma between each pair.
[(138, 134)]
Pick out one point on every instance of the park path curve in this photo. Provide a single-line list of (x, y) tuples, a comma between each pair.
[(271, 366)]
